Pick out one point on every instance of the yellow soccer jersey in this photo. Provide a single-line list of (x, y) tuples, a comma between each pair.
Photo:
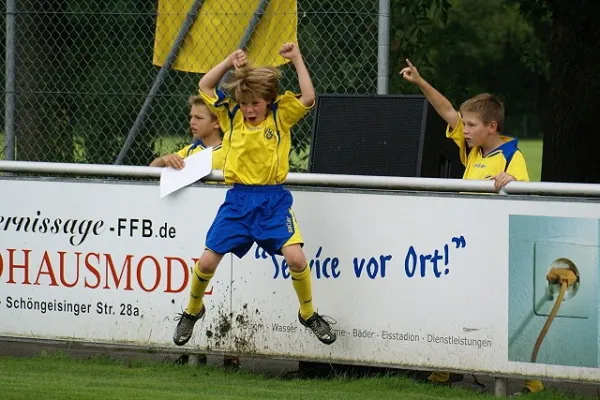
[(218, 157), (257, 155), (506, 158)]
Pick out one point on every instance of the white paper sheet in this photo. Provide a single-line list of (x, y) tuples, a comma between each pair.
[(197, 166)]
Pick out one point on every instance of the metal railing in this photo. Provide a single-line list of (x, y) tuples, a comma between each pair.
[(326, 180)]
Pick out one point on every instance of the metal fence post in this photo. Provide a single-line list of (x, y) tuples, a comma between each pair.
[(10, 85), (260, 10), (383, 41)]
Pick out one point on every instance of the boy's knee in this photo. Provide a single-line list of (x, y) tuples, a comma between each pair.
[(209, 262), (295, 260)]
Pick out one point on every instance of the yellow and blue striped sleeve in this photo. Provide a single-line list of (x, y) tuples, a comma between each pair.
[(518, 167), (220, 105), (290, 110)]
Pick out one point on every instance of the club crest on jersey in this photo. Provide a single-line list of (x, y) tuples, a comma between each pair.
[(269, 133)]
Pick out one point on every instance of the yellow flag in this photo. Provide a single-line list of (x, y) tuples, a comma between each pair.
[(219, 29)]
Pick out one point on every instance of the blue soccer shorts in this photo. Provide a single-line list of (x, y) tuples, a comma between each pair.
[(254, 214)]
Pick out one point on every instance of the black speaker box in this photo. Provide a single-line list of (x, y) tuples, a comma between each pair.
[(382, 135)]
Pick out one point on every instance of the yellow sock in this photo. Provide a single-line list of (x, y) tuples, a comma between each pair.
[(302, 286), (439, 377), (200, 282), (534, 386)]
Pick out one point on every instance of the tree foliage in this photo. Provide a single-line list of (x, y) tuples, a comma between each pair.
[(481, 47)]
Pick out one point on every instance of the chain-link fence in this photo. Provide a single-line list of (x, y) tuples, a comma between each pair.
[(84, 69)]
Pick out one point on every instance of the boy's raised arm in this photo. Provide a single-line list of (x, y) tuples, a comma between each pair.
[(441, 104), (307, 90), (211, 79)]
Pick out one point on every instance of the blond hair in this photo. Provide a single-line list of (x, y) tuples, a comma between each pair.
[(488, 107), (249, 83)]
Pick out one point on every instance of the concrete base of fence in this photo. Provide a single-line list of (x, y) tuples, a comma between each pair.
[(501, 387)]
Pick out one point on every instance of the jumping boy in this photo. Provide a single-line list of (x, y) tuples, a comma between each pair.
[(206, 132), (256, 121), (486, 154)]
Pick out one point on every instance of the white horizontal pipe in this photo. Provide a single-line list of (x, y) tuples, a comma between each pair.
[(311, 179), (79, 169), (554, 188)]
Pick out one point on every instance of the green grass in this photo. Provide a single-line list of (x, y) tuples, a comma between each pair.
[(532, 150), (59, 377)]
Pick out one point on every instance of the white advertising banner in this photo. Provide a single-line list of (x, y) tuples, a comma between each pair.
[(430, 281)]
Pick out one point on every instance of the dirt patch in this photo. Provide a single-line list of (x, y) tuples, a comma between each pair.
[(217, 333), (247, 327), (242, 339), (224, 325), (241, 320)]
